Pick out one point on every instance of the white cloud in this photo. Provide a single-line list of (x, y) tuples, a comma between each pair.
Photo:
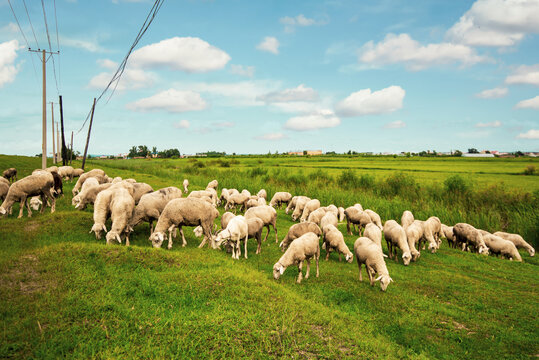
[(492, 93), (403, 49), (365, 102), (189, 54), (8, 54), (88, 45), (532, 103), (269, 44), (290, 23), (497, 23), (171, 100), (395, 125), (317, 120), (524, 75), (182, 124), (496, 123), (272, 136), (130, 80), (300, 93), (530, 134), (247, 71)]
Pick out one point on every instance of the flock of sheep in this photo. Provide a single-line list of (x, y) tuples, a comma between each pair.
[(128, 203)]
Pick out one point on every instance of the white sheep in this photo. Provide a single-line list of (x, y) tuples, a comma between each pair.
[(97, 173), (449, 235), (374, 233), (77, 172), (407, 219), (66, 172), (35, 203), (41, 184), (212, 185), (309, 207), (293, 202), (469, 238), (414, 233), (516, 239), (185, 186), (302, 249), (317, 215), (279, 198), (246, 192), (4, 188), (122, 206), (267, 214), (88, 195), (152, 205), (251, 203), (370, 254), (297, 230), (432, 228), (101, 212), (140, 189), (334, 240), (262, 194), (341, 213), (236, 230), (329, 219), (225, 219), (499, 246), (356, 216), (375, 218), (396, 238), (237, 199)]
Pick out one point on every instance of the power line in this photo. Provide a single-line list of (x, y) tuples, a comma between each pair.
[(57, 44), (50, 46), (31, 26)]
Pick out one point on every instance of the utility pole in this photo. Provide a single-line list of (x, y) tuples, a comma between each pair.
[(53, 148), (71, 155), (58, 156), (64, 151), (88, 138)]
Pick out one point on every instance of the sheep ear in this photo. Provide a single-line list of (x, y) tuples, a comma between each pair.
[(77, 206), (118, 238), (384, 255), (89, 232), (390, 280), (378, 278), (281, 270), (104, 228)]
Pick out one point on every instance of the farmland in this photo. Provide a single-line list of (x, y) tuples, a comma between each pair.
[(64, 293)]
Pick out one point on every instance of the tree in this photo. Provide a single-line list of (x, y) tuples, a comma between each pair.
[(132, 152), (154, 150), (473, 151), (457, 153)]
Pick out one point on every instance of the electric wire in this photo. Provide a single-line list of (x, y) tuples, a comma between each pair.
[(50, 46), (31, 26)]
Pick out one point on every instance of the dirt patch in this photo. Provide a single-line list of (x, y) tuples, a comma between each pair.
[(459, 326), (31, 226), (24, 276)]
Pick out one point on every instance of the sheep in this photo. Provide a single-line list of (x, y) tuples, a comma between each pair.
[(334, 240), (449, 235), (236, 230), (261, 201), (115, 180), (5, 181), (317, 215), (225, 219), (341, 214), (516, 239), (35, 203), (279, 198), (309, 207), (185, 185), (432, 228), (499, 246), (57, 179), (246, 192), (184, 212), (212, 185), (298, 230), (10, 174), (122, 206), (101, 211), (356, 216), (370, 254), (4, 188), (292, 204), (358, 206), (77, 172), (89, 183), (152, 205), (236, 199), (374, 233), (251, 203), (262, 194), (41, 184), (396, 237), (375, 218), (140, 189), (302, 249), (200, 193), (66, 172), (328, 219), (52, 169), (213, 196), (406, 219), (300, 205), (469, 238), (98, 173), (255, 227), (267, 214), (89, 195), (414, 233), (226, 193)]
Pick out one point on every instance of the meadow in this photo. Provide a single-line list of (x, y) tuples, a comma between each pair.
[(65, 294)]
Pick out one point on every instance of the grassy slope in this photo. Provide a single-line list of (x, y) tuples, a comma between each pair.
[(64, 293)]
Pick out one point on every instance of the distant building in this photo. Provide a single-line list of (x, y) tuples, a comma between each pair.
[(314, 152), (295, 153), (306, 152), (478, 155)]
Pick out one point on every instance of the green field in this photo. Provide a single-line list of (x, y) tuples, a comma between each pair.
[(65, 294)]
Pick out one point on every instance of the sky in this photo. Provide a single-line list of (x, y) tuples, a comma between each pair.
[(252, 77)]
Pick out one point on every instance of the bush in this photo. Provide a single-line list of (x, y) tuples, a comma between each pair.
[(366, 181), (348, 179), (400, 184), (258, 171), (456, 184), (530, 170)]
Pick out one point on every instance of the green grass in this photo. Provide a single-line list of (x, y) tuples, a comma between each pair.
[(65, 294)]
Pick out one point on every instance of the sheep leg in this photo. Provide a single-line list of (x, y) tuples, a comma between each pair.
[(359, 266), (370, 272), (259, 240), (127, 240), (246, 237), (317, 258), (23, 204), (184, 242), (327, 251), (300, 275), (267, 227), (151, 226), (348, 227), (53, 201), (308, 268), (28, 208), (275, 229)]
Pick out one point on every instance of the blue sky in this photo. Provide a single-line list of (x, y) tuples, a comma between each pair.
[(259, 76)]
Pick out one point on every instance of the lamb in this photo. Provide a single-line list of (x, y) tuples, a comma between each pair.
[(184, 212), (262, 194), (152, 205), (370, 254), (449, 235), (41, 184), (279, 198), (267, 214), (10, 174), (140, 189), (356, 216), (236, 230), (469, 238), (226, 193), (185, 185), (407, 219), (317, 215), (66, 172), (97, 173), (375, 218), (300, 205), (122, 206), (77, 172), (374, 233), (236, 199), (516, 239), (334, 240), (499, 246), (261, 201), (328, 219), (212, 185), (432, 228), (396, 237), (89, 195), (309, 207), (298, 230), (414, 233), (302, 249)]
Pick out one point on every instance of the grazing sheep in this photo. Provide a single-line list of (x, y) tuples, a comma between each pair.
[(66, 172), (35, 203), (251, 203), (449, 235), (414, 233), (310, 206), (185, 185), (334, 240), (328, 219), (212, 185), (516, 239), (89, 183), (236, 230), (499, 246), (255, 227), (89, 195), (317, 215), (97, 173), (236, 199), (396, 237), (261, 201), (300, 205), (152, 205), (296, 231), (101, 211), (432, 228), (41, 184), (214, 197), (370, 254), (358, 206), (122, 206), (375, 218), (279, 198), (10, 174), (184, 212), (341, 213), (267, 214), (77, 172), (374, 233), (262, 194), (407, 219), (4, 188), (225, 219), (52, 169), (141, 189), (469, 238), (332, 208), (201, 193), (356, 216), (246, 192), (302, 249), (292, 204), (5, 181)]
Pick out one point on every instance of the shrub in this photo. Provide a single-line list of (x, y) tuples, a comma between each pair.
[(258, 171), (348, 179), (530, 170), (456, 184), (400, 184), (366, 181)]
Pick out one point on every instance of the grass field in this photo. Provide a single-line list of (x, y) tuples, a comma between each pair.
[(65, 294)]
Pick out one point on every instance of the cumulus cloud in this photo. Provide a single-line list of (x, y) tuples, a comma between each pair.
[(272, 136), (403, 49), (299, 93), (172, 100), (8, 54), (524, 75), (498, 23), (290, 23), (269, 44), (88, 45), (243, 93), (532, 103), (365, 102), (247, 71), (189, 54), (492, 93), (395, 124), (530, 134), (130, 80), (496, 123), (316, 120), (182, 124)]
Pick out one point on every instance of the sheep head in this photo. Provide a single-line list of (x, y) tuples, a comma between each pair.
[(112, 236), (198, 231), (349, 257), (433, 247), (531, 251), (278, 270), (221, 237), (384, 281), (97, 229), (483, 250), (157, 239), (415, 255), (406, 257), (35, 203)]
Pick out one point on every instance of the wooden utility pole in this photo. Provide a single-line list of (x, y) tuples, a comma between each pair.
[(53, 148), (71, 155), (64, 151), (58, 143), (88, 138)]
